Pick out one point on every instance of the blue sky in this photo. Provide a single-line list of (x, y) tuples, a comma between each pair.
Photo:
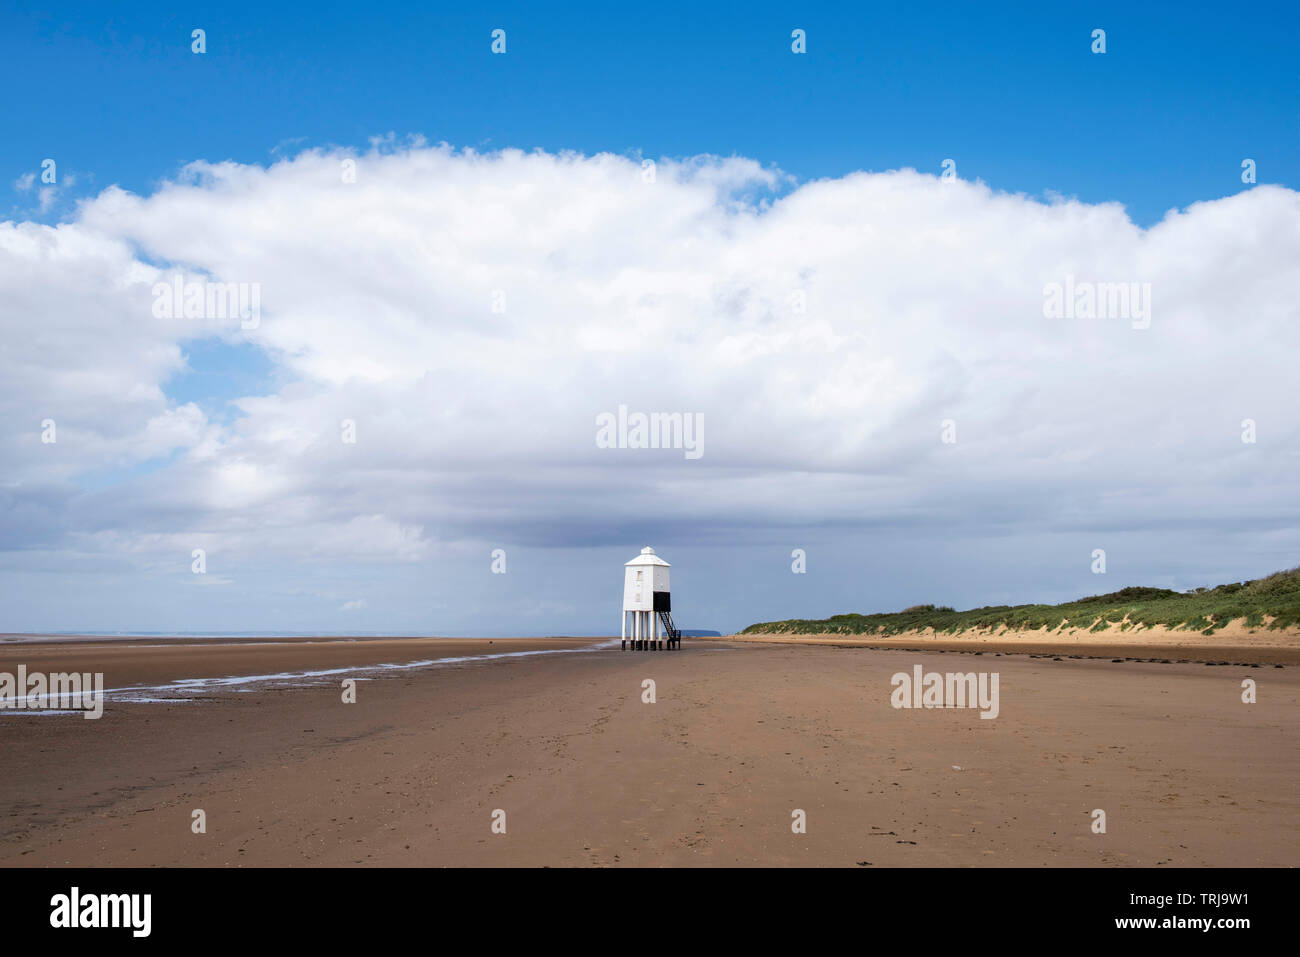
[(1011, 92), (475, 430)]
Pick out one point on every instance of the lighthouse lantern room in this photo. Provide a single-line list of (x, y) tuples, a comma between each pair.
[(647, 608)]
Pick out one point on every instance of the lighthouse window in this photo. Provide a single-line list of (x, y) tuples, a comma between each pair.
[(639, 574)]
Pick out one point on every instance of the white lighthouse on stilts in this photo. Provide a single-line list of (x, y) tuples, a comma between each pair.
[(647, 608)]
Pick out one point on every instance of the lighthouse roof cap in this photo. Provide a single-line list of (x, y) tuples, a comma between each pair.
[(648, 557)]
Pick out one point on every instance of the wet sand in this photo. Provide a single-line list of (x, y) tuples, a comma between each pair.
[(740, 736), (128, 662)]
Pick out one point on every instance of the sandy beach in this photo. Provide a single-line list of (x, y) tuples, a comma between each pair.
[(739, 737), (1234, 644)]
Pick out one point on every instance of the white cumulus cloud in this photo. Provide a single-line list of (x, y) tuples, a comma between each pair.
[(472, 314)]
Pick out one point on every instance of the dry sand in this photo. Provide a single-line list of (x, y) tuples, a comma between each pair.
[(741, 735), (1232, 643)]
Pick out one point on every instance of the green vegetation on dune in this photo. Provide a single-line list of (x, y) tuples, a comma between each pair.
[(1272, 602)]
